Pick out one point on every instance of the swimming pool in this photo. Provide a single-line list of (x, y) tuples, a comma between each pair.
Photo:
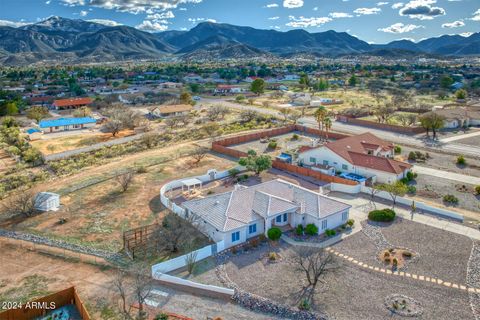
[(353, 176), (285, 157)]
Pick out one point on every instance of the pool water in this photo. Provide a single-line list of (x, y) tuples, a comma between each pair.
[(353, 176), (68, 312)]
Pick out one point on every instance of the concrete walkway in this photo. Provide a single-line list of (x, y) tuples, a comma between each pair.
[(447, 175), (460, 137)]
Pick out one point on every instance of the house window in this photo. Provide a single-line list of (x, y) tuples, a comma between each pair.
[(324, 224), (278, 219), (285, 217), (344, 167), (252, 228), (236, 236), (345, 215), (312, 159), (325, 162)]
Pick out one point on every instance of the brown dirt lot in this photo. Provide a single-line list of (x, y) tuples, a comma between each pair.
[(97, 211), (71, 142)]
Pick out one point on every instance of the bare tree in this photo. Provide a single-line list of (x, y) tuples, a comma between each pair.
[(122, 287), (294, 116), (199, 154), (113, 126), (191, 258), (217, 112), (172, 122), (211, 129), (314, 262), (149, 139), (142, 286), (125, 180), (248, 115), (21, 203), (285, 112)]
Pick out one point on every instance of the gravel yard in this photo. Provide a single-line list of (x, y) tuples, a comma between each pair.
[(446, 162), (282, 281), (284, 143), (434, 188), (473, 141)]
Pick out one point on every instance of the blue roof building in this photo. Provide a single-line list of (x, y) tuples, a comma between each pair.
[(64, 124)]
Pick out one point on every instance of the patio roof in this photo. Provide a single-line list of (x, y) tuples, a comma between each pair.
[(191, 182)]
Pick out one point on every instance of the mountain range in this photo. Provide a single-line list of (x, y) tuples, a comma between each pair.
[(74, 40)]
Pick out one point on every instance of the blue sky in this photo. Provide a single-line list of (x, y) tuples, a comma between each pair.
[(369, 20)]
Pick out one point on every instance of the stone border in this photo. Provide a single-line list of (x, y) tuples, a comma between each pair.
[(257, 303), (404, 313), (109, 256)]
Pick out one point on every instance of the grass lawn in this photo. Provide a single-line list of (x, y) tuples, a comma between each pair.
[(60, 144)]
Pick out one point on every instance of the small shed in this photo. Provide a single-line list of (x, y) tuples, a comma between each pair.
[(47, 201)]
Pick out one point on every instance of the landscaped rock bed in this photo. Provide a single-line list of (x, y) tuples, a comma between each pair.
[(403, 306)]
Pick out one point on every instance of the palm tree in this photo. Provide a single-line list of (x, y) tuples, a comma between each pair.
[(320, 115), (328, 125)]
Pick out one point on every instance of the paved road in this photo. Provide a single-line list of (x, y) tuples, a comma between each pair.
[(447, 175), (460, 137), (66, 154), (415, 141)]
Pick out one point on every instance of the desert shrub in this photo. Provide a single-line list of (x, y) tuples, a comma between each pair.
[(272, 145), (161, 316), (299, 230), (141, 169), (274, 233), (254, 242), (304, 305), (411, 175), (330, 233), (210, 192), (311, 229), (477, 190), (412, 156), (386, 254), (384, 215), (404, 180), (450, 198), (461, 160), (397, 149), (411, 189), (234, 250), (350, 222), (395, 262), (387, 259), (407, 254), (295, 136), (272, 256)]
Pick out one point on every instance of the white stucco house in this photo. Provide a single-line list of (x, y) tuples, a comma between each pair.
[(247, 212), (460, 117), (365, 155)]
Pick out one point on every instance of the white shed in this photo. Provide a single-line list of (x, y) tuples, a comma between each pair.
[(47, 201)]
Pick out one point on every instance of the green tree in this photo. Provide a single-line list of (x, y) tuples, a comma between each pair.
[(37, 113), (395, 190), (258, 86), (320, 115), (446, 82), (461, 94), (327, 123), (432, 121), (352, 82), (11, 108), (186, 98), (304, 80), (256, 163)]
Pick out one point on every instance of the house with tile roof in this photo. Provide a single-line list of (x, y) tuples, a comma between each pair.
[(72, 103), (165, 111), (365, 155), (247, 212)]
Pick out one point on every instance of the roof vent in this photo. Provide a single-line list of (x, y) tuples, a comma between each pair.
[(217, 202), (348, 147)]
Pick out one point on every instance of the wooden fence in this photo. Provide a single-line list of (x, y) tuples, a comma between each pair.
[(138, 240), (221, 146), (42, 305)]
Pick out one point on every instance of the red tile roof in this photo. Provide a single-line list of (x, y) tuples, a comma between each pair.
[(378, 163), (72, 102), (305, 148)]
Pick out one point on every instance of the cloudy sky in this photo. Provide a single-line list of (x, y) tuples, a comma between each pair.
[(372, 21)]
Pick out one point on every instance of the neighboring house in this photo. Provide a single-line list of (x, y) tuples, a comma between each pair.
[(317, 102), (66, 124), (457, 85), (171, 85), (291, 77), (193, 78), (224, 89), (73, 103), (459, 117), (246, 212), (171, 110), (365, 155)]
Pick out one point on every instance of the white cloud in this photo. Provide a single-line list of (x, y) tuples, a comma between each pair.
[(476, 15), (422, 9), (13, 24), (271, 5), (367, 11), (303, 22), (400, 28), (194, 20), (293, 3), (397, 5), (48, 1), (151, 26), (466, 34), (106, 22), (337, 15), (454, 24), (315, 9), (382, 3), (273, 18), (83, 13), (131, 6), (161, 16)]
